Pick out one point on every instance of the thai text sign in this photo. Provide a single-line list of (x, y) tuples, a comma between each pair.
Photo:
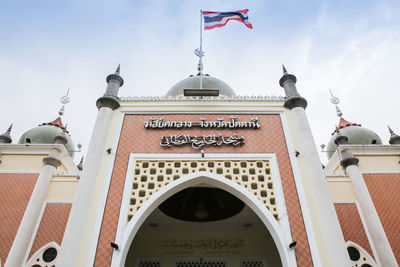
[(198, 142), (161, 123)]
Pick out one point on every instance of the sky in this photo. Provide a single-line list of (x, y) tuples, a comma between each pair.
[(48, 47)]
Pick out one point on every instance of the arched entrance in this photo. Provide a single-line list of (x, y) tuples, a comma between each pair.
[(144, 223)]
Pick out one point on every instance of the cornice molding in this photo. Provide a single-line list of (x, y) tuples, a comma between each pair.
[(239, 98)]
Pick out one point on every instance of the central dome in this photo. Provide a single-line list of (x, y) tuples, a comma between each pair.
[(207, 82)]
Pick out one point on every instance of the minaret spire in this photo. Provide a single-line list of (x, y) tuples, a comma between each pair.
[(118, 69), (80, 165), (284, 69), (5, 138), (394, 138)]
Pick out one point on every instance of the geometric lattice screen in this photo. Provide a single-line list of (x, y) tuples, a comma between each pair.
[(149, 264), (252, 263), (151, 175), (201, 264)]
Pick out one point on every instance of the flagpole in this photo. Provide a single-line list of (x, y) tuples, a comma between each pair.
[(201, 31), (201, 49)]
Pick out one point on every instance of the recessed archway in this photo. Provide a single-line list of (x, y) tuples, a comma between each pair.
[(277, 233)]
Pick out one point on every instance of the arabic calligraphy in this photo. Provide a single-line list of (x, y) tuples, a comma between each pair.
[(161, 123), (205, 244), (198, 142)]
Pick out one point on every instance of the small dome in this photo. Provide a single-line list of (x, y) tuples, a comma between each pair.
[(356, 134), (45, 133), (208, 82)]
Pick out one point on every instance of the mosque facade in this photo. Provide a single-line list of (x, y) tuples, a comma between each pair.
[(199, 177)]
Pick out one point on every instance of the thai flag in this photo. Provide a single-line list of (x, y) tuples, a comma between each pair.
[(219, 19)]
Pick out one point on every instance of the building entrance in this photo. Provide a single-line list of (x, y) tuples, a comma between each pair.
[(203, 226)]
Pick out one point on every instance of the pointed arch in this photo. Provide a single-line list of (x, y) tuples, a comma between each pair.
[(39, 258), (281, 240)]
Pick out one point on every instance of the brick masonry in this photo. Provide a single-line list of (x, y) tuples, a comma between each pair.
[(351, 224), (15, 192), (384, 189), (136, 139), (52, 225)]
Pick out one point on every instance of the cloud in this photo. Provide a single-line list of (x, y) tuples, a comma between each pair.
[(348, 47)]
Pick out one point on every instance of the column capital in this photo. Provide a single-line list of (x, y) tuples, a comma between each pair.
[(294, 102), (61, 139), (287, 77), (109, 101), (115, 77), (51, 161), (349, 161)]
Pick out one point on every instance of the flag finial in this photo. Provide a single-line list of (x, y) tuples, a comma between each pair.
[(198, 52), (334, 100), (64, 100)]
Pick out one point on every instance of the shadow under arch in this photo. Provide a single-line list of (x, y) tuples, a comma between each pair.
[(119, 256)]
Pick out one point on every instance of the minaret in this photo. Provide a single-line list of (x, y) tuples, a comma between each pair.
[(329, 239), (5, 138), (110, 98), (32, 212), (80, 217), (394, 138), (349, 163), (293, 98)]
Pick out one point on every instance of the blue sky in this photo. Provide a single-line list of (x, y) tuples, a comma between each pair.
[(47, 47)]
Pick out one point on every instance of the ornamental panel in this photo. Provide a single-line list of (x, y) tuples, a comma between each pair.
[(151, 175), (252, 263), (201, 263)]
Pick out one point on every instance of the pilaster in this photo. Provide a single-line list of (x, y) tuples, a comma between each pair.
[(385, 254), (73, 246), (32, 212), (330, 238)]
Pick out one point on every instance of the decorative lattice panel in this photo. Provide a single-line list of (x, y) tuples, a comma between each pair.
[(149, 264), (252, 263), (151, 175), (201, 264)]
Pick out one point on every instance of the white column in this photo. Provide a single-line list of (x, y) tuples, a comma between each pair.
[(327, 218), (375, 229), (75, 230), (25, 231)]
